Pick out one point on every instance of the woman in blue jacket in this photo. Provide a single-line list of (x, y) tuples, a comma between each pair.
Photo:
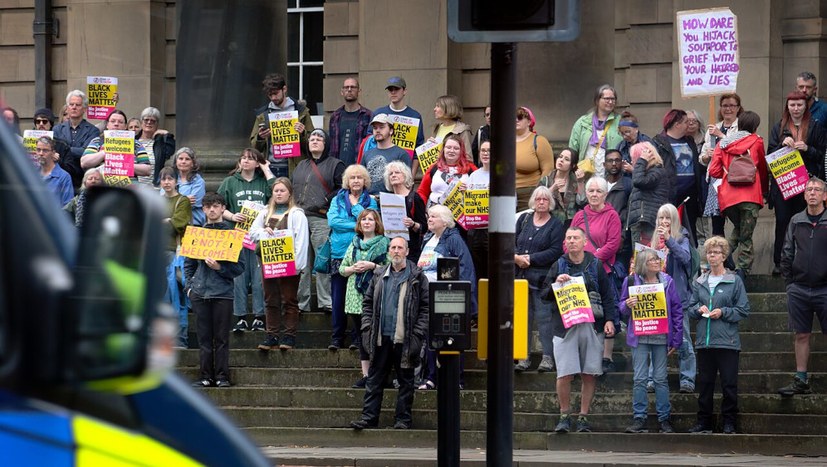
[(345, 207), (719, 302), (650, 340)]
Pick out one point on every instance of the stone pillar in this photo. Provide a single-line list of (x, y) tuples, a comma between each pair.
[(124, 39), (224, 50)]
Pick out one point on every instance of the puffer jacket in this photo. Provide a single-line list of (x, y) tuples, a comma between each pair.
[(415, 314), (731, 297), (205, 282), (650, 191)]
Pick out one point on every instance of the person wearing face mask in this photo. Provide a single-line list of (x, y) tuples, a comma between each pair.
[(795, 130)]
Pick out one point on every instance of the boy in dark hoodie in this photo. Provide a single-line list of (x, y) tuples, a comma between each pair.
[(210, 289)]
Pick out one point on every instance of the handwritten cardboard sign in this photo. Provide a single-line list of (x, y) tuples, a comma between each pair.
[(708, 48)]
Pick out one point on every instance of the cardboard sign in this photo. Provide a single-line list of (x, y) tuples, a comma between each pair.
[(454, 202), (573, 302), (30, 138), (428, 154), (120, 153), (101, 91), (405, 130), (251, 210), (476, 209), (283, 135), (708, 49), (788, 169), (278, 257), (203, 243), (649, 315), (392, 210)]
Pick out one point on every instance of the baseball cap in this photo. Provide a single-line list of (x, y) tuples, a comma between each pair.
[(396, 82), (381, 118)]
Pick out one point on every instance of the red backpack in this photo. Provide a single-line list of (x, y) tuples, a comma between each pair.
[(741, 170)]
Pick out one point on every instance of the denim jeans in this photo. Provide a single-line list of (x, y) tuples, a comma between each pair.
[(251, 277), (539, 312), (319, 232), (686, 355), (640, 399)]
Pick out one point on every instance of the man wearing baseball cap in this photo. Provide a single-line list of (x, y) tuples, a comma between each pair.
[(397, 89), (375, 159)]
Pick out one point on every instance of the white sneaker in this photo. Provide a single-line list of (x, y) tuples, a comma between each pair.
[(258, 325), (241, 326)]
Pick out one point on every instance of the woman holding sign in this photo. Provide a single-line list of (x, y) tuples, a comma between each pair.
[(368, 250), (597, 131), (719, 302), (342, 218), (451, 169), (95, 153), (796, 131), (282, 219), (399, 181), (653, 307)]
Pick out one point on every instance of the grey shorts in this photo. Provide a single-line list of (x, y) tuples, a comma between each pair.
[(581, 351)]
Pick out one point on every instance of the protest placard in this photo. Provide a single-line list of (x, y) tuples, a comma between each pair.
[(220, 245), (284, 139), (251, 210), (392, 210), (120, 153), (428, 154), (708, 50), (405, 130), (278, 258), (30, 138), (649, 313), (476, 209), (788, 169), (101, 91), (454, 202), (573, 302)]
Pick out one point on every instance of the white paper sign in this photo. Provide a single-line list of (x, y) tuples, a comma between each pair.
[(392, 208)]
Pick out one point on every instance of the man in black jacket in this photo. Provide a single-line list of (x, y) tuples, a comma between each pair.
[(392, 336), (805, 273)]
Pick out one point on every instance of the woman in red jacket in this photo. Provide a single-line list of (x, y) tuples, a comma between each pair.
[(740, 202)]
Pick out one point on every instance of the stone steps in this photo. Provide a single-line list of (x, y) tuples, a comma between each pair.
[(766, 444), (535, 402), (749, 381)]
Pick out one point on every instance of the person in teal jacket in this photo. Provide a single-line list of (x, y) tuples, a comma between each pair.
[(719, 302), (597, 131), (251, 180)]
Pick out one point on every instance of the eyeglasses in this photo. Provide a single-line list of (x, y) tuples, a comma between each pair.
[(149, 120), (814, 188), (520, 117), (41, 120), (609, 99), (690, 121), (349, 88), (653, 260), (487, 114), (714, 252), (729, 106)]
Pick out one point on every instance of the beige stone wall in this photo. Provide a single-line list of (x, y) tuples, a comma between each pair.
[(133, 40)]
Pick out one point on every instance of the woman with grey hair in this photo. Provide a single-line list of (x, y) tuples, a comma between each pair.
[(444, 241), (399, 181), (190, 182), (604, 237), (538, 245), (159, 144)]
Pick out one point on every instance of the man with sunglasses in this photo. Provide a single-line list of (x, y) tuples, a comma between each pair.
[(44, 120)]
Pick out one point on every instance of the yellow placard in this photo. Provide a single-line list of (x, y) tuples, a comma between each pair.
[(278, 258), (454, 202), (220, 245), (405, 130), (428, 154), (283, 135), (101, 92), (476, 209), (649, 314)]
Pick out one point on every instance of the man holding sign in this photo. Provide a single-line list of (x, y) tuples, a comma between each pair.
[(275, 88), (650, 302), (578, 325)]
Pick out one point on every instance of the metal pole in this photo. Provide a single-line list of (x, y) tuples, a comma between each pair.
[(42, 32), (448, 442), (503, 204)]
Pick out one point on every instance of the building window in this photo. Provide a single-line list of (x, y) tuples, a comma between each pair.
[(305, 37)]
